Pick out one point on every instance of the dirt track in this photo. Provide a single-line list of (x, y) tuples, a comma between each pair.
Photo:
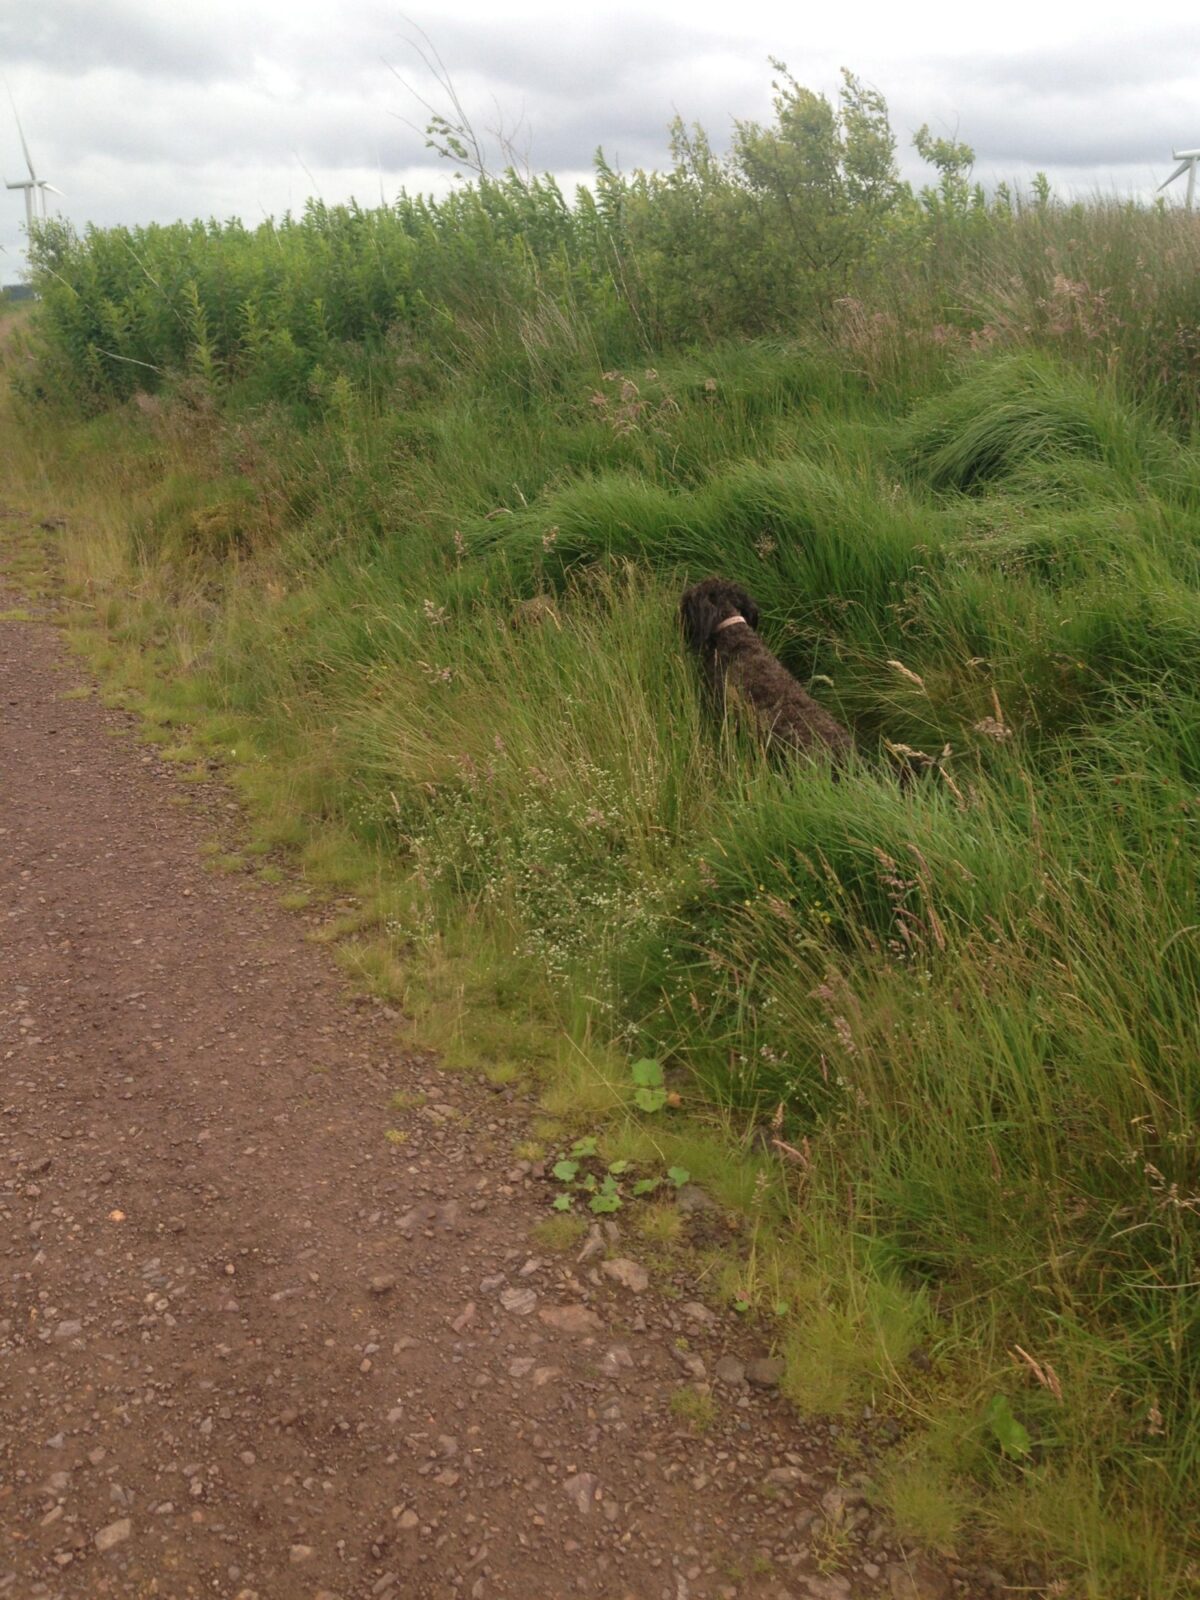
[(248, 1346)]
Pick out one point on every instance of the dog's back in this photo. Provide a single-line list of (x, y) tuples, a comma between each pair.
[(720, 622)]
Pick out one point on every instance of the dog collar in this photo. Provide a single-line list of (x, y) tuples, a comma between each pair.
[(729, 622)]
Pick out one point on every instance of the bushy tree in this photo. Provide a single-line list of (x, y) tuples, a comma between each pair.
[(825, 175)]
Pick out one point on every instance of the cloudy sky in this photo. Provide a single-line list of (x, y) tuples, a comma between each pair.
[(148, 110)]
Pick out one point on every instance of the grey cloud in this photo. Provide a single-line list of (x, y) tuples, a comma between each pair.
[(1102, 105), (593, 56), (148, 39), (585, 82), (1066, 129), (181, 126), (145, 90), (1156, 57), (516, 61), (564, 129)]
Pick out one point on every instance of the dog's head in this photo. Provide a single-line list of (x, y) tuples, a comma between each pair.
[(709, 603)]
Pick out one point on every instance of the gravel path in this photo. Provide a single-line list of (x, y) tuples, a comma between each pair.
[(251, 1348)]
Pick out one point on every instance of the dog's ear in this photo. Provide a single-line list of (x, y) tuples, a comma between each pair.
[(741, 601), (698, 616)]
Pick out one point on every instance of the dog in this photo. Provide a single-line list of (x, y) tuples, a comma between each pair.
[(720, 623)]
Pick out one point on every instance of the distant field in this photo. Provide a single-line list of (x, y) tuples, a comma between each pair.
[(315, 473)]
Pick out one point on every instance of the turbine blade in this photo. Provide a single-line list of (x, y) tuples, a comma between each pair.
[(29, 159), (1182, 167), (21, 133), (50, 189)]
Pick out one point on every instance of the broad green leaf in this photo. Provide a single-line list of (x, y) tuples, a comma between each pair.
[(1012, 1436), (679, 1176), (605, 1202), (646, 1185), (647, 1074), (650, 1099), (563, 1202), (565, 1171)]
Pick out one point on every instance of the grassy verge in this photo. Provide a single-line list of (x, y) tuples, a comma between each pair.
[(936, 1038)]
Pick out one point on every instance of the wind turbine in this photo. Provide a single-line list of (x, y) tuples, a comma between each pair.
[(1187, 160), (36, 189)]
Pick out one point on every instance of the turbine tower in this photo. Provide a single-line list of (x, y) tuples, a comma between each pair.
[(36, 189), (1187, 160)]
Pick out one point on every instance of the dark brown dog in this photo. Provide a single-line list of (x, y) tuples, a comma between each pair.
[(720, 622)]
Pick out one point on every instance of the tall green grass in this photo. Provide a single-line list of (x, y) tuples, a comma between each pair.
[(411, 512)]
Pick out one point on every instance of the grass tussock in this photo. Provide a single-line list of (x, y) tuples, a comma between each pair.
[(411, 570)]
